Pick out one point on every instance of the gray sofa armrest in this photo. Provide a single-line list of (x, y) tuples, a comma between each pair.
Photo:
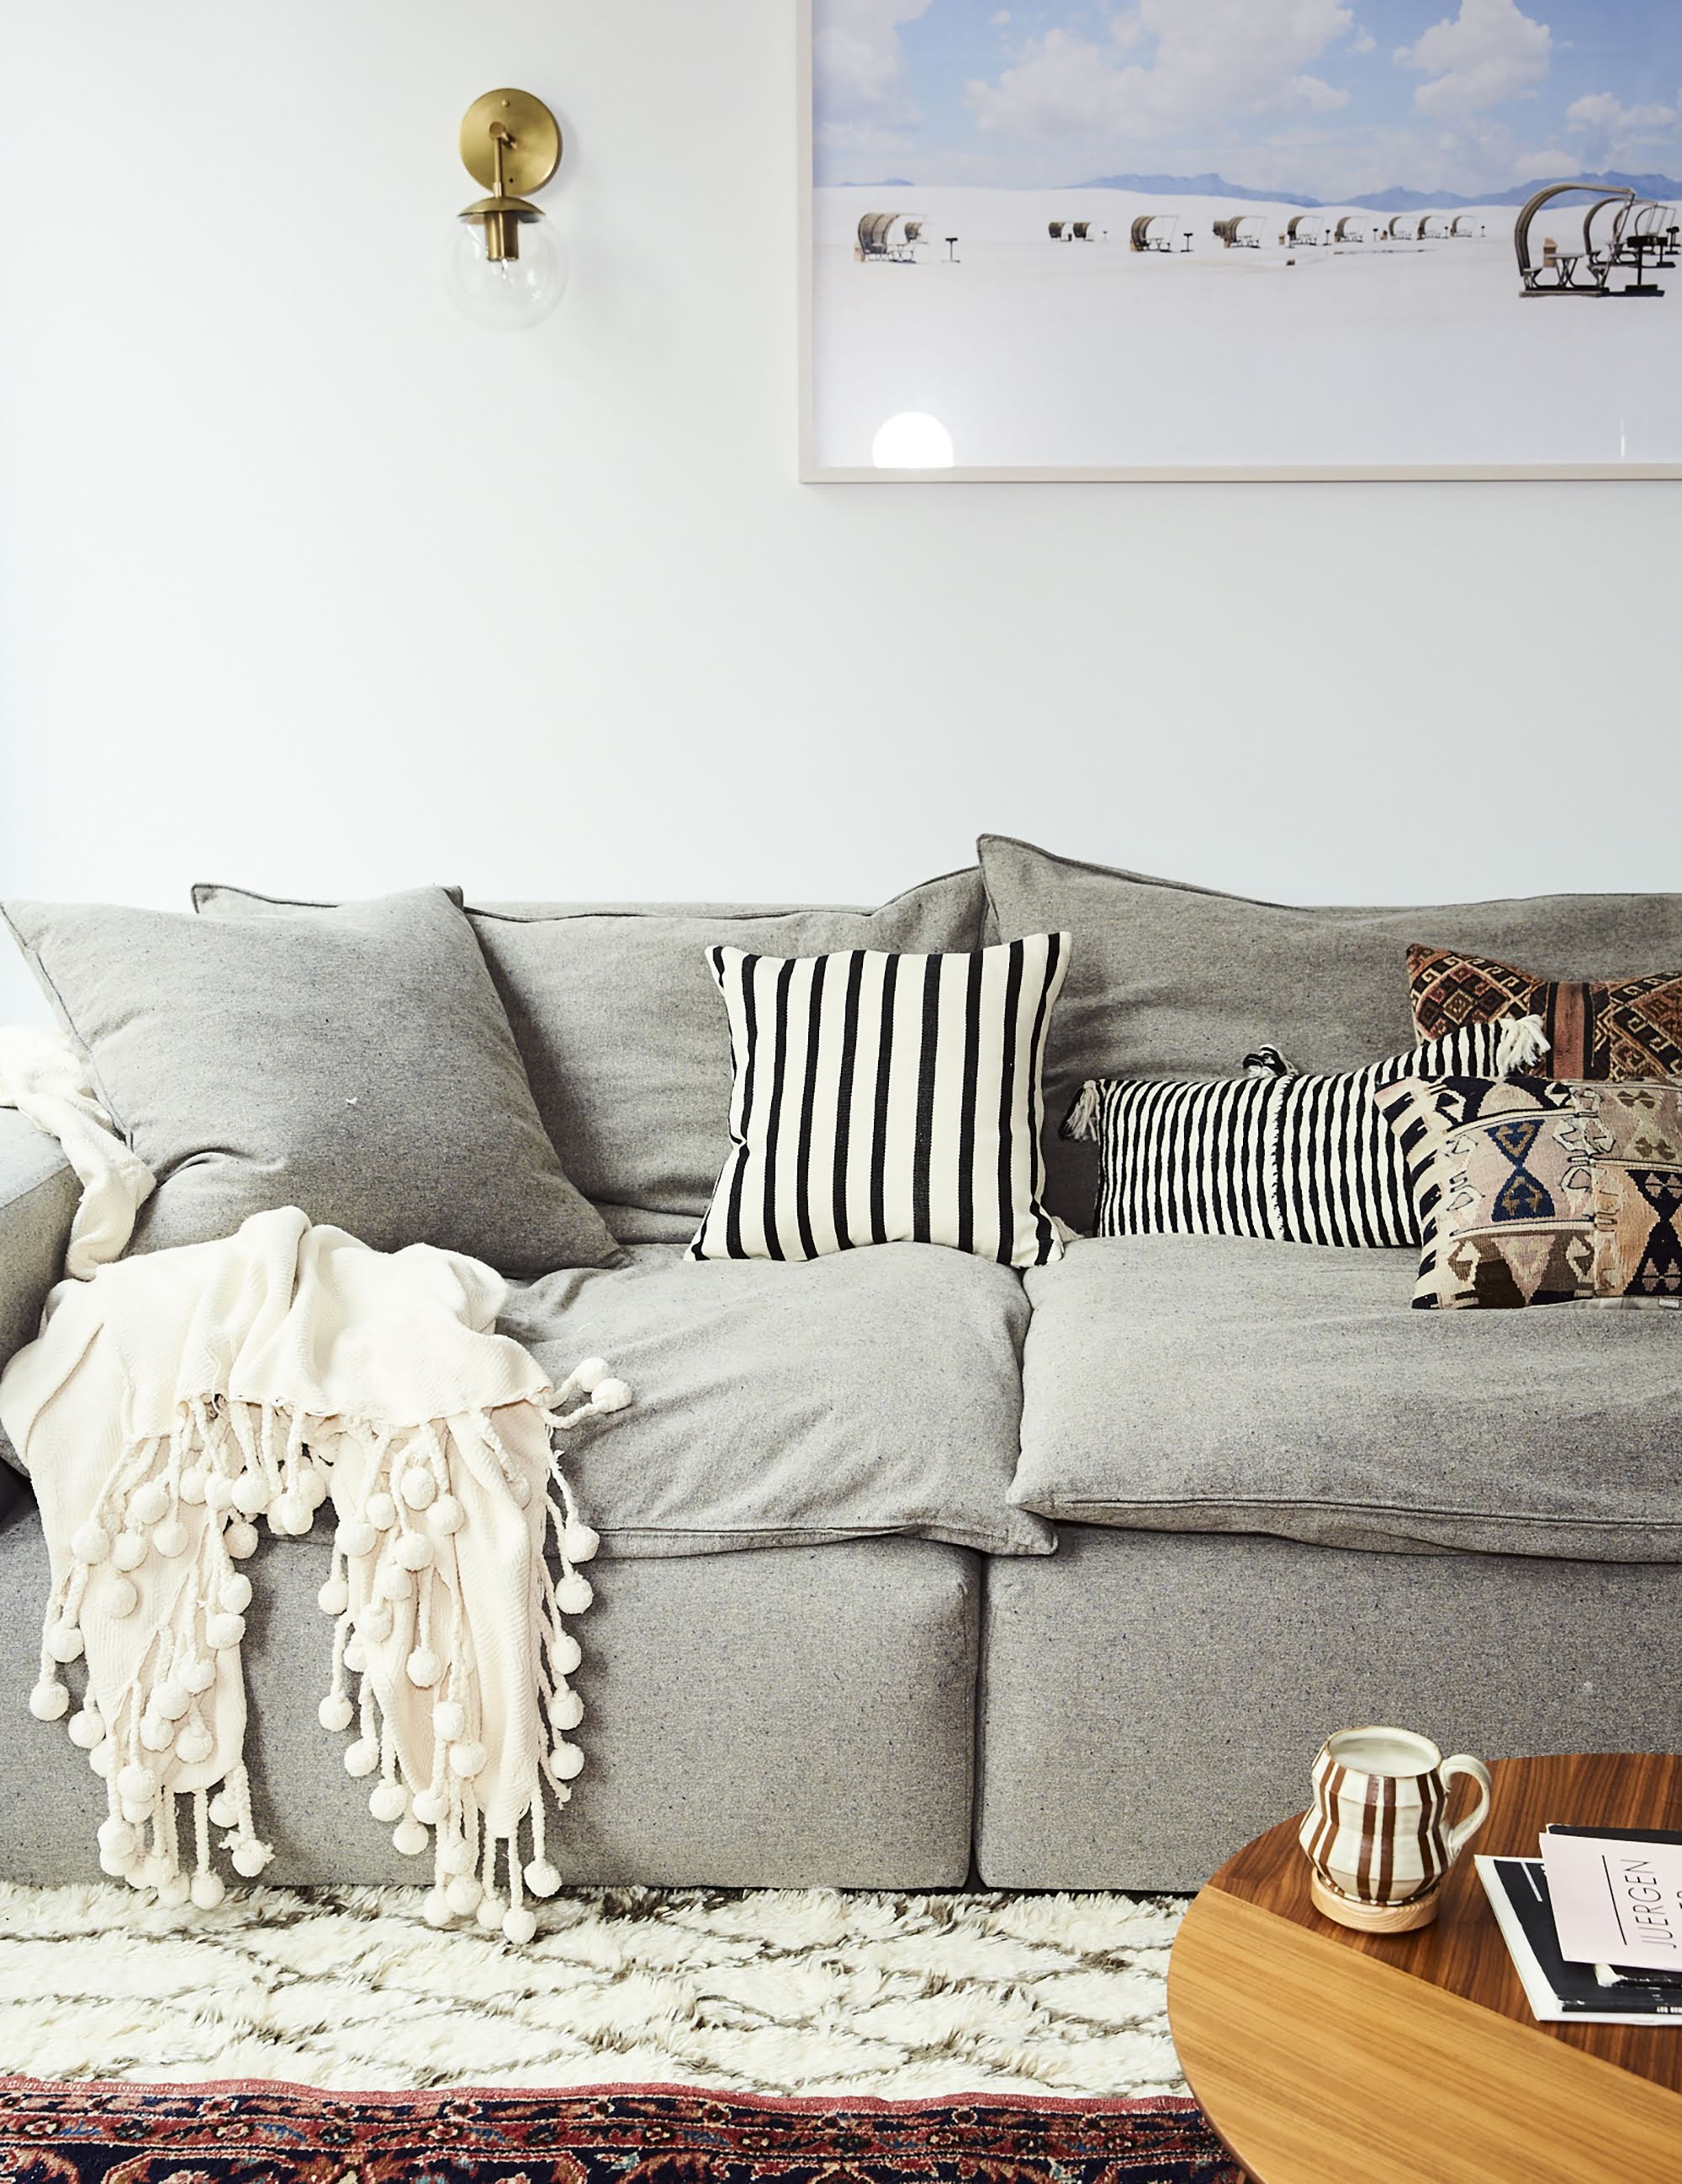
[(39, 1193)]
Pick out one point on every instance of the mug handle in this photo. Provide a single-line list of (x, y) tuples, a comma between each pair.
[(1455, 1840)]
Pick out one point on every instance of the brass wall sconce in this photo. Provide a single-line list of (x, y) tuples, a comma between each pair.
[(507, 271)]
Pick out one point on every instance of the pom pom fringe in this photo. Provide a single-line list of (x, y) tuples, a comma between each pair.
[(188, 1497)]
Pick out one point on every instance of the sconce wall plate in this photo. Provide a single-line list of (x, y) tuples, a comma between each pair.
[(531, 155)]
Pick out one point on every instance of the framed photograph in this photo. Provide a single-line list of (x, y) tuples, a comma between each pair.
[(1209, 239)]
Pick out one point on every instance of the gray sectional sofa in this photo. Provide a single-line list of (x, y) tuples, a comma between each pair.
[(917, 1570)]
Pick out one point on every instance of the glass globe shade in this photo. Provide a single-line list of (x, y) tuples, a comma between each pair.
[(508, 295), (912, 441)]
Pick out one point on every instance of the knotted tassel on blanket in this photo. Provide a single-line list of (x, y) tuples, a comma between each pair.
[(451, 1653)]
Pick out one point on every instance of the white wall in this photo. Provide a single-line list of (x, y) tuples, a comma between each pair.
[(306, 583)]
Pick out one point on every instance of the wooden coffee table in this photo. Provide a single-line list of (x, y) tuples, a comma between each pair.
[(1323, 2056)]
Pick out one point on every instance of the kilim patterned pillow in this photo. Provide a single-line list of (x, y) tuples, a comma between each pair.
[(1296, 1159), (1597, 1029), (1533, 1193)]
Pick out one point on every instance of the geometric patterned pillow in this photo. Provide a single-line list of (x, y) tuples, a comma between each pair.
[(1600, 1029), (1501, 1188), (1534, 1193)]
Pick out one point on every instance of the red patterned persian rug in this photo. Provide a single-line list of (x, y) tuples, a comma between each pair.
[(270, 2133)]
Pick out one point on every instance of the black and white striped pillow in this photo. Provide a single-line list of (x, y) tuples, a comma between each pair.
[(886, 1099), (1297, 1159)]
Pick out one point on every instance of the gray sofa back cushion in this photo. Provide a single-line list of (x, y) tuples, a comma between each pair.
[(1166, 979), (355, 1062), (624, 1036)]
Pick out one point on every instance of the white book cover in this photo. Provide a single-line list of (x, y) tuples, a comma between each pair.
[(1617, 1898)]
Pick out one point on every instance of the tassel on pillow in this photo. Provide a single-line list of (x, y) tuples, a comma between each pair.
[(1523, 1043), (1080, 1125)]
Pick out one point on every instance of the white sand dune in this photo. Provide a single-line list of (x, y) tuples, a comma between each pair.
[(1034, 353)]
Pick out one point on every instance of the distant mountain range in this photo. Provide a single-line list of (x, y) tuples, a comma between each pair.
[(1195, 186), (1663, 186)]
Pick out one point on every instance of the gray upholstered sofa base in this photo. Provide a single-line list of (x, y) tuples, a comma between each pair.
[(1151, 1699), (768, 1720)]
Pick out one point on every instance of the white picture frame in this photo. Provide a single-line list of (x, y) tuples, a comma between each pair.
[(818, 462)]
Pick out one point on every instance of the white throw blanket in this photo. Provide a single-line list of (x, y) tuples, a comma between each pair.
[(42, 1074), (174, 1401)]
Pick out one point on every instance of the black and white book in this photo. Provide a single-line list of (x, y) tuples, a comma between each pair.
[(1558, 1992)]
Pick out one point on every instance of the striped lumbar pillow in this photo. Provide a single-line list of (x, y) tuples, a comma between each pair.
[(1297, 1159), (886, 1099)]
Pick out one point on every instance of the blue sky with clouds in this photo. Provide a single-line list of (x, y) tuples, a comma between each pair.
[(1327, 97)]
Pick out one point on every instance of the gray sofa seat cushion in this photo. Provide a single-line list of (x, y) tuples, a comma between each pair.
[(623, 1034), (1220, 1385), (1169, 980), (875, 1391), (356, 1063)]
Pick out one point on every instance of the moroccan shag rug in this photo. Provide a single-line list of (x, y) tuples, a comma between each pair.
[(777, 1992), (278, 2134)]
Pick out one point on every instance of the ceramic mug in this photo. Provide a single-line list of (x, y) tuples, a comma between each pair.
[(1375, 1835)]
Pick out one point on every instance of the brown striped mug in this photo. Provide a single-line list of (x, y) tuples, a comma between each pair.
[(1375, 1835)]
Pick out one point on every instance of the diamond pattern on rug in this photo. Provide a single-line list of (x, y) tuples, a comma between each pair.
[(786, 1991)]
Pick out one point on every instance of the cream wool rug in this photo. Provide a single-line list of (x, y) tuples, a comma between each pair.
[(773, 1991)]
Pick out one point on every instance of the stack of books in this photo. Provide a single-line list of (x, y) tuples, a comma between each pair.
[(1594, 1924)]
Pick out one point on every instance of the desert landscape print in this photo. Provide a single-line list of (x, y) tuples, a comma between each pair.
[(1224, 236)]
